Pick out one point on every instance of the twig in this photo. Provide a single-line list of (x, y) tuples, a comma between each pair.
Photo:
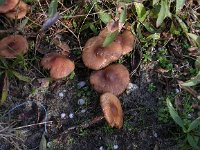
[(34, 124)]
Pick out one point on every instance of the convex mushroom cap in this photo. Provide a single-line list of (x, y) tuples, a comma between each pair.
[(8, 5), (112, 110), (113, 79), (127, 41), (97, 57), (13, 45), (18, 12), (58, 65)]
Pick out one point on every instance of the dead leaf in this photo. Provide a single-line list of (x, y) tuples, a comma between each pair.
[(188, 89), (194, 51), (178, 102), (5, 89), (63, 46)]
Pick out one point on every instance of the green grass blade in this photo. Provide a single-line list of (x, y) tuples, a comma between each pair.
[(5, 89), (110, 38), (179, 5), (21, 77), (194, 124), (174, 114), (195, 38), (53, 8), (192, 141)]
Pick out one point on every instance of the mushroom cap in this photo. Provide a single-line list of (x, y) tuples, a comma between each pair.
[(48, 59), (112, 110), (113, 79), (127, 41), (61, 68), (97, 57), (58, 65), (18, 12), (8, 5), (13, 45)]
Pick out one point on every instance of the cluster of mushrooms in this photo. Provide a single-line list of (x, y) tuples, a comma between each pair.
[(14, 9), (109, 79)]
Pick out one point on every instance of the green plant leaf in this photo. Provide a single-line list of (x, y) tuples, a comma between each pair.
[(155, 2), (2, 1), (194, 124), (110, 38), (53, 8), (72, 75), (192, 82), (43, 143), (175, 115), (21, 77), (5, 89), (122, 17), (179, 5), (141, 11), (164, 12), (197, 63), (195, 38), (192, 141), (182, 24)]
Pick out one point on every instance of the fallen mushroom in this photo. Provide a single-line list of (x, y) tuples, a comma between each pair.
[(58, 65), (113, 79), (13, 45), (127, 40), (112, 110), (8, 5), (97, 57), (18, 12)]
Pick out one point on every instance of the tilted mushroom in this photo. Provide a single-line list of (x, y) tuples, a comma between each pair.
[(13, 45), (113, 79), (18, 12), (112, 110), (58, 65), (127, 41), (8, 5), (97, 57)]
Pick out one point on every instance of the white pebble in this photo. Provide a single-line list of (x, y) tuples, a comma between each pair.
[(83, 110), (131, 87), (81, 101), (81, 84), (61, 94), (115, 146), (177, 91), (101, 148), (62, 115), (71, 115)]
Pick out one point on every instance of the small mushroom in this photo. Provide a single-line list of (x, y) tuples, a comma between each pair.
[(8, 5), (113, 79), (112, 110), (13, 45), (18, 12), (58, 65), (127, 41), (97, 57)]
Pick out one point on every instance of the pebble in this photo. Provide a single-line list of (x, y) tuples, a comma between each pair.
[(62, 115), (131, 87), (81, 101), (101, 148), (81, 84), (71, 115), (177, 91), (83, 110), (115, 146), (61, 94)]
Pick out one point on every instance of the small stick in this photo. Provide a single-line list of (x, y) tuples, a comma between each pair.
[(30, 125)]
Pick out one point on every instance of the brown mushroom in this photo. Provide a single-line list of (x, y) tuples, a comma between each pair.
[(113, 79), (127, 41), (13, 45), (112, 110), (97, 57), (58, 65), (8, 5), (18, 12)]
